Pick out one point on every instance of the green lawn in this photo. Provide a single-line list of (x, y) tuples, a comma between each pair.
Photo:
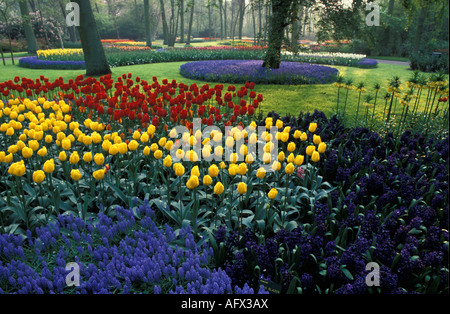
[(284, 99)]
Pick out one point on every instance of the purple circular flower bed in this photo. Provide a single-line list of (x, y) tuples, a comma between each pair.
[(241, 71), (367, 63), (35, 63)]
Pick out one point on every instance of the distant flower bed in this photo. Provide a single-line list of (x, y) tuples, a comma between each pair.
[(367, 63), (330, 58), (35, 63), (241, 71)]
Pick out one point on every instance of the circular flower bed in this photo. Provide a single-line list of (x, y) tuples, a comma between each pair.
[(241, 71)]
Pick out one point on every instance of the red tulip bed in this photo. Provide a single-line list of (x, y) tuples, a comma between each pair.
[(153, 186)]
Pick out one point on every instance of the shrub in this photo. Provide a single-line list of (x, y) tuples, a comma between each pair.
[(429, 62)]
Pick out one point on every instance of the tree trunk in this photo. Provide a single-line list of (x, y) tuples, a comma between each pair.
[(47, 42), (5, 16), (164, 22), (182, 21), (241, 17), (225, 35), (254, 23), (94, 54), (278, 21), (221, 18), (148, 33), (191, 20), (29, 33), (209, 21)]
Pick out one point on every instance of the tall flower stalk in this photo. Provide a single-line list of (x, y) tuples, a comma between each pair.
[(360, 89), (348, 86)]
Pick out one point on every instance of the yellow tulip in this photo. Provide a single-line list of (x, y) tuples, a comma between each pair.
[(261, 173), (279, 124), (87, 157), (62, 156), (136, 135), (276, 166), (42, 152), (272, 193), (213, 171), (123, 148), (316, 139), (162, 141), (179, 169), (17, 169), (289, 168), (207, 180), (133, 145), (158, 154), (27, 152), (167, 161), (242, 169), (312, 127), (38, 176), (290, 158), (74, 158), (99, 159), (154, 147), (49, 166), (195, 171), (291, 147), (315, 156), (303, 137), (322, 148), (218, 151), (242, 188), (192, 183), (75, 174), (66, 144), (299, 159), (232, 169), (218, 188), (99, 174), (310, 150)]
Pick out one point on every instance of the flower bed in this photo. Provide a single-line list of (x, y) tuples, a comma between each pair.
[(122, 55), (367, 63), (332, 200), (241, 71), (128, 253), (35, 63)]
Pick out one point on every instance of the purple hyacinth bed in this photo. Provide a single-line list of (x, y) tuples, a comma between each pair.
[(241, 71), (35, 63)]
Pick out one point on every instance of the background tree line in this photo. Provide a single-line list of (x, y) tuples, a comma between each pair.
[(407, 26)]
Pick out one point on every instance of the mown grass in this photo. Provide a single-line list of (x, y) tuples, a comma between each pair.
[(284, 99)]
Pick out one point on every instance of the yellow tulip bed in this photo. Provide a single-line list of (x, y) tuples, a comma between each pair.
[(72, 152)]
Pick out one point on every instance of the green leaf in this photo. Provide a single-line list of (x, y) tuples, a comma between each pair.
[(347, 273)]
